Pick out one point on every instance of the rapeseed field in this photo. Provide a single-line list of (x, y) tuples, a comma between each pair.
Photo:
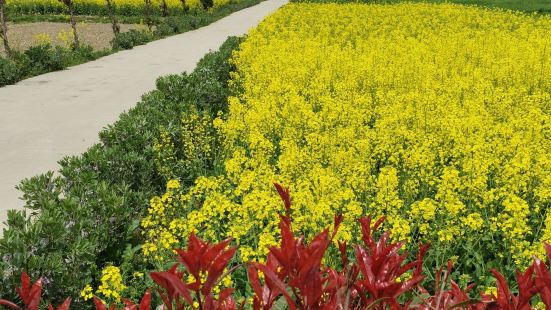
[(436, 116)]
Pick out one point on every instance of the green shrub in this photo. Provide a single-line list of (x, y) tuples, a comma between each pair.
[(127, 40), (42, 59), (9, 72), (198, 20), (163, 30), (57, 238), (177, 24), (83, 54), (45, 58), (76, 223)]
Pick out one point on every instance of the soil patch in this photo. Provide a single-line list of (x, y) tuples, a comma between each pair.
[(97, 35)]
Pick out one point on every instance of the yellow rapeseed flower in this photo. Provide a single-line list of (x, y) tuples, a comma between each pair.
[(436, 116), (87, 292), (111, 283)]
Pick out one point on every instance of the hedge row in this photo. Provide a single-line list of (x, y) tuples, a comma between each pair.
[(76, 223)]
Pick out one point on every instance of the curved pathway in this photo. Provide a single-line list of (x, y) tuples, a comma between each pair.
[(45, 118)]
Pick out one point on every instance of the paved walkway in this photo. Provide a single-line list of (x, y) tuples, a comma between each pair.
[(47, 117)]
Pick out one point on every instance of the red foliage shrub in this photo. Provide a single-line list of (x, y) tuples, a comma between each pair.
[(378, 278), (199, 259), (31, 296)]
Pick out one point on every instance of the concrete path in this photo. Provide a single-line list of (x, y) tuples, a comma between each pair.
[(47, 117)]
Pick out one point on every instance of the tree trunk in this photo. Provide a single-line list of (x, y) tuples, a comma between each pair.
[(114, 23), (4, 28), (184, 5), (207, 4), (164, 8), (147, 11), (73, 25)]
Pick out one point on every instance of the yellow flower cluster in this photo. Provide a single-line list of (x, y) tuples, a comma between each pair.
[(197, 141), (87, 292), (164, 153), (196, 147), (437, 116), (225, 282), (111, 283), (111, 286)]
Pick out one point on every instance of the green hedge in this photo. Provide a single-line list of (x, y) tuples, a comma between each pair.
[(9, 71), (77, 222), (41, 59)]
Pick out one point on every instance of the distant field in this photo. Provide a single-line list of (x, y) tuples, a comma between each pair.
[(541, 6)]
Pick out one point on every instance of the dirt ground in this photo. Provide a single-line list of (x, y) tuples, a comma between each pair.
[(98, 35)]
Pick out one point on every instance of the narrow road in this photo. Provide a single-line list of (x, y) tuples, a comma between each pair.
[(47, 117)]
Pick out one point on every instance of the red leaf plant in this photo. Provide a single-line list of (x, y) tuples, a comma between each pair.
[(297, 267), (206, 263), (508, 301), (381, 266), (295, 271), (377, 278), (31, 295), (443, 298), (543, 278)]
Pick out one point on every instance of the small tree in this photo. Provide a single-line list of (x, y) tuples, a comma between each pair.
[(4, 27), (114, 23), (164, 8), (70, 6)]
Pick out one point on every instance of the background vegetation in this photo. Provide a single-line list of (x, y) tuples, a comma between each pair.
[(44, 57)]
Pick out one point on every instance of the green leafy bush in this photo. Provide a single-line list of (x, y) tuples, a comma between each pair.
[(9, 72), (76, 223), (176, 24), (131, 38), (41, 59), (45, 58), (83, 54), (163, 30)]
